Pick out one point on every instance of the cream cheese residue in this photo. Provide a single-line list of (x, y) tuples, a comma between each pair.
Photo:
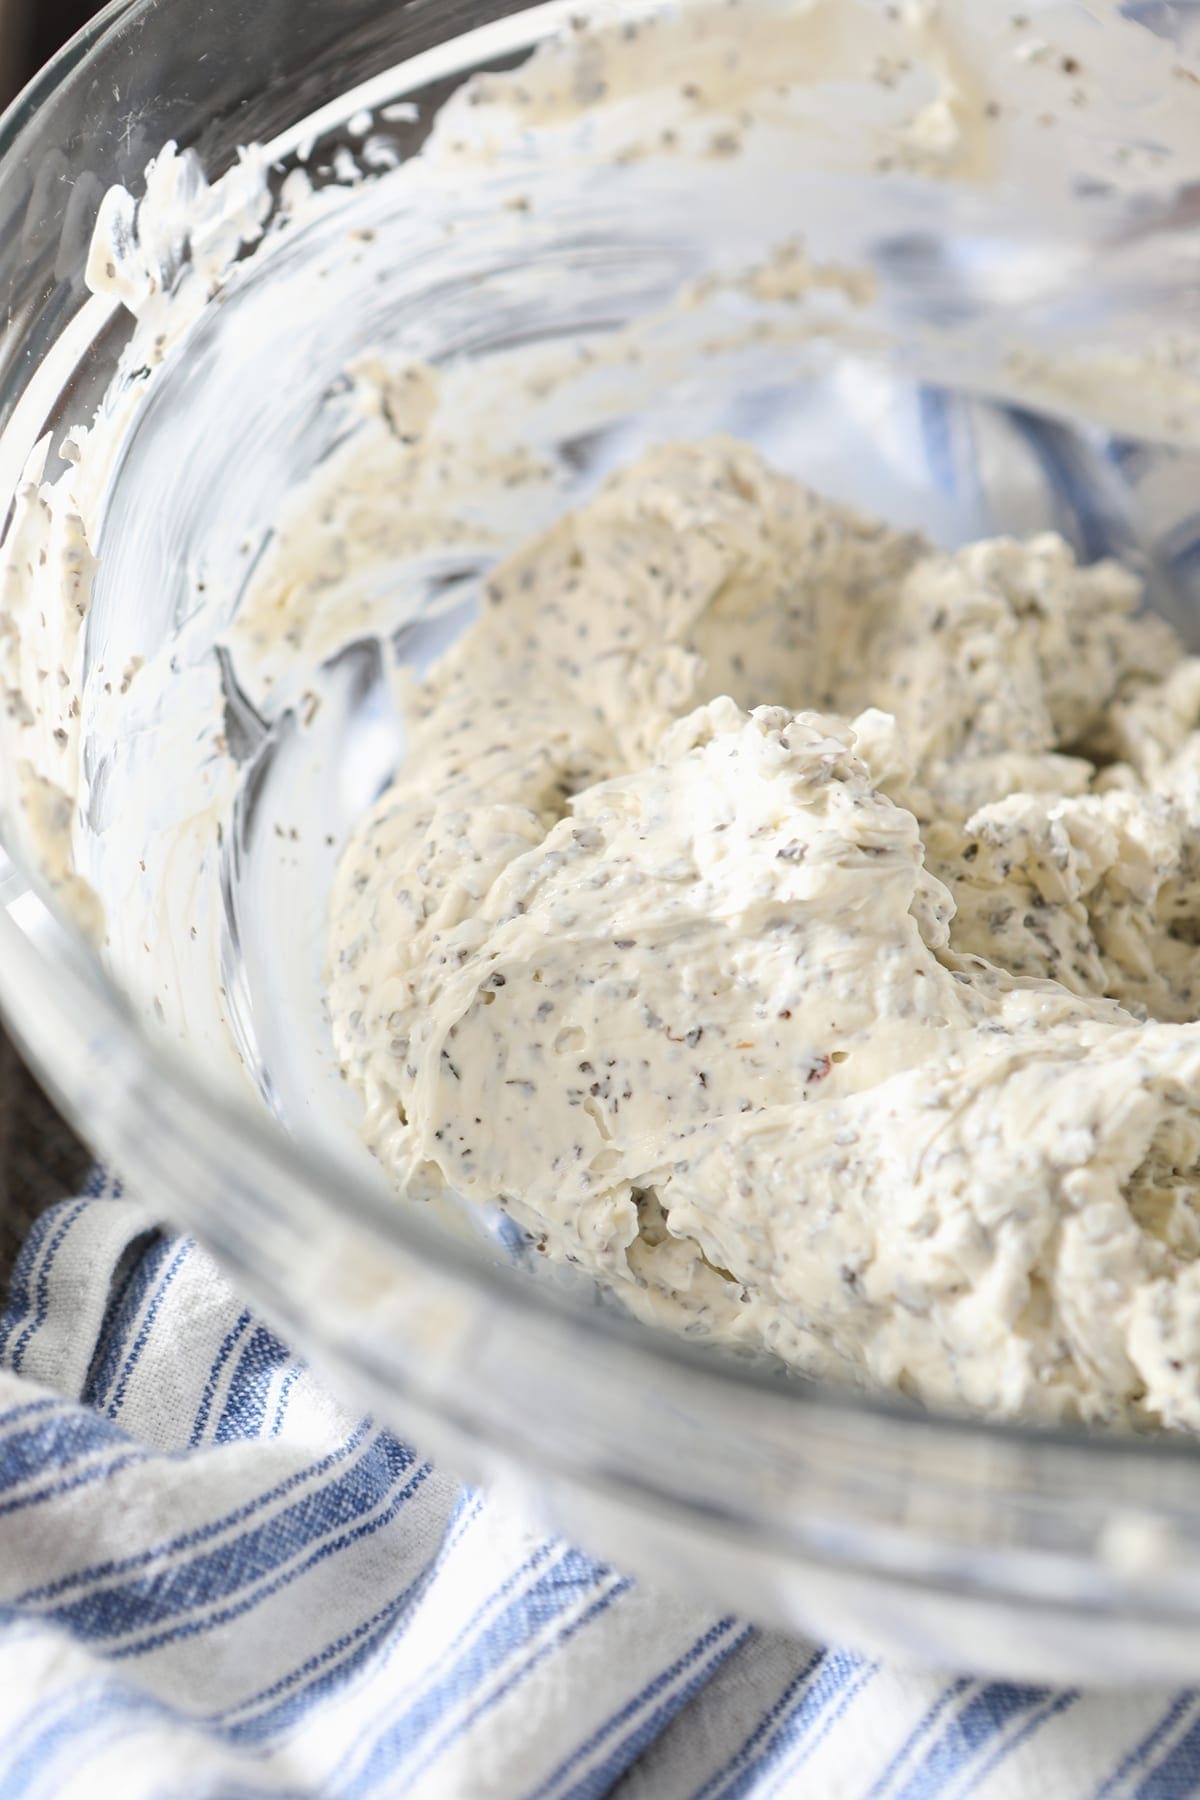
[(926, 107), (990, 735), (797, 927)]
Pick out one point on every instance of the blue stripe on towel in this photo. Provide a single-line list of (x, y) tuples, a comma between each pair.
[(710, 1650), (38, 1303), (199, 1599)]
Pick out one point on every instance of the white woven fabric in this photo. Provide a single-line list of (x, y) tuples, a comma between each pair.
[(216, 1582)]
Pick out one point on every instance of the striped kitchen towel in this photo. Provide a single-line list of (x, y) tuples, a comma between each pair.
[(216, 1582)]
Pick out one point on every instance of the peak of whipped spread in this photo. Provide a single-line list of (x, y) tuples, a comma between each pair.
[(797, 926)]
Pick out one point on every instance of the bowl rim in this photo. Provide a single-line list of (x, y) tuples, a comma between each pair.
[(336, 1190), (28, 99)]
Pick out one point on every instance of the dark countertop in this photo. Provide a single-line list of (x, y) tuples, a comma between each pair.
[(41, 1160), (30, 32)]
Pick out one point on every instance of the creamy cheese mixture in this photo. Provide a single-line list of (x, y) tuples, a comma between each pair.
[(796, 925)]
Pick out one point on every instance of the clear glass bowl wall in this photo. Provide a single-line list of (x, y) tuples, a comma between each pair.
[(853, 1519)]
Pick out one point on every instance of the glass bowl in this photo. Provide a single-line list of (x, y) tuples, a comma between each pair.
[(585, 279)]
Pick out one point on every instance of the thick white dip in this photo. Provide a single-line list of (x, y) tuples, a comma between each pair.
[(862, 1036), (797, 926)]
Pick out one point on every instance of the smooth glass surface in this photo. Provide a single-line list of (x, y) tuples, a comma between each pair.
[(1025, 1552)]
